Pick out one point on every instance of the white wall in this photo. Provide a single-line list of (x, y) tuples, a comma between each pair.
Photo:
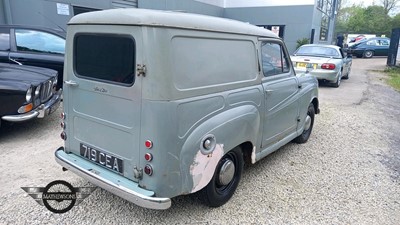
[(256, 3)]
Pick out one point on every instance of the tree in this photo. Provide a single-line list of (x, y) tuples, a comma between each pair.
[(389, 5), (360, 20), (377, 20), (396, 21)]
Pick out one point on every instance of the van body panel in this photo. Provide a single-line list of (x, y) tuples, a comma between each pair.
[(281, 112), (103, 114)]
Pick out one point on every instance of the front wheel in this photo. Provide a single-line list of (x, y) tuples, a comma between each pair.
[(368, 54), (308, 125), (226, 178)]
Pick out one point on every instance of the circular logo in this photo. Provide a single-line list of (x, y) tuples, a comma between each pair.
[(59, 196)]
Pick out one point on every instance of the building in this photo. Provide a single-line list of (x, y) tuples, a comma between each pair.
[(291, 19)]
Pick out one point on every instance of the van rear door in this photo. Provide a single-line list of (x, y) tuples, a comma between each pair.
[(102, 95)]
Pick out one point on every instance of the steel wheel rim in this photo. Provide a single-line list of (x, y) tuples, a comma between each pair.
[(229, 160)]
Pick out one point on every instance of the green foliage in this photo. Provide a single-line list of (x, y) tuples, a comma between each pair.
[(371, 20), (394, 77), (302, 41), (396, 21)]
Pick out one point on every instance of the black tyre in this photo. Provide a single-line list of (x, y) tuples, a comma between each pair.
[(368, 54), (338, 80), (225, 180), (347, 75), (308, 125)]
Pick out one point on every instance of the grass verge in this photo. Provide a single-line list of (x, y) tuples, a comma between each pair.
[(394, 77)]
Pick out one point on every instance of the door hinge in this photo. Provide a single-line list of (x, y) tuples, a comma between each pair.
[(298, 119), (141, 70)]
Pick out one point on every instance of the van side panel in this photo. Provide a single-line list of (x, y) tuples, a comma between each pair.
[(202, 63), (197, 83), (185, 63), (176, 158)]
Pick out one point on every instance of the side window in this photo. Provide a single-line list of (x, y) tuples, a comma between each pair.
[(274, 59), (384, 42), (38, 41), (4, 40), (372, 42)]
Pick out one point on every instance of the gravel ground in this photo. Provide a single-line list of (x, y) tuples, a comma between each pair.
[(347, 173)]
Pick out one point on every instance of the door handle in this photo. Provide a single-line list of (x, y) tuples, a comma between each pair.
[(269, 91), (15, 61), (71, 83)]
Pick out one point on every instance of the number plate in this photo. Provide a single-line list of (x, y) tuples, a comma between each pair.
[(306, 65), (104, 159)]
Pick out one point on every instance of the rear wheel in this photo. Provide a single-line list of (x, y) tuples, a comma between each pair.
[(225, 180), (338, 80), (368, 54), (308, 125), (347, 75)]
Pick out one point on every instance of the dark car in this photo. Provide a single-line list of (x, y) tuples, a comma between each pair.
[(34, 46), (377, 46), (27, 92)]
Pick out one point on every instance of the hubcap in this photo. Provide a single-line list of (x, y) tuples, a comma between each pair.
[(226, 172), (307, 123)]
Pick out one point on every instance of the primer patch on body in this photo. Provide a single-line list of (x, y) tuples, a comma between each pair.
[(203, 167)]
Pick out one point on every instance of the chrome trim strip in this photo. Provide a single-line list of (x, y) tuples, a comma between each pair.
[(121, 191), (21, 117), (39, 112)]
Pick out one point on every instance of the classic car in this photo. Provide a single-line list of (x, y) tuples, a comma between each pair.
[(327, 63), (378, 46), (149, 129), (33, 46), (27, 92)]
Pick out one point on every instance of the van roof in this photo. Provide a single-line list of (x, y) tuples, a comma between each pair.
[(158, 18)]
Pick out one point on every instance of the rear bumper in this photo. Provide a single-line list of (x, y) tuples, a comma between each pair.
[(41, 111), (320, 74), (110, 181)]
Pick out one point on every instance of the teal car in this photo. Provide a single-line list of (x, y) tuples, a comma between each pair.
[(378, 46)]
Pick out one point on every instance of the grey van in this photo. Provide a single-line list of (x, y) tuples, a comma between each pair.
[(160, 104)]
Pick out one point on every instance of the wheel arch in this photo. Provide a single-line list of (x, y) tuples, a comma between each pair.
[(315, 102), (238, 126)]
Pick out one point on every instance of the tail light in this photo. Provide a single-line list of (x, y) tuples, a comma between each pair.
[(63, 126), (148, 157), (148, 144), (328, 66), (148, 170), (63, 136)]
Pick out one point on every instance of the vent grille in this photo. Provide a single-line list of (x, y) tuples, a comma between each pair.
[(46, 91), (125, 4)]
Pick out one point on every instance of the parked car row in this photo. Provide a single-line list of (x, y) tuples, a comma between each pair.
[(31, 71)]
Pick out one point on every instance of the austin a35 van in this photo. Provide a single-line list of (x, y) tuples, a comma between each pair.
[(160, 104)]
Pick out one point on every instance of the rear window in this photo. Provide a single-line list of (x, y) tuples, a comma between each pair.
[(317, 51), (108, 58)]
